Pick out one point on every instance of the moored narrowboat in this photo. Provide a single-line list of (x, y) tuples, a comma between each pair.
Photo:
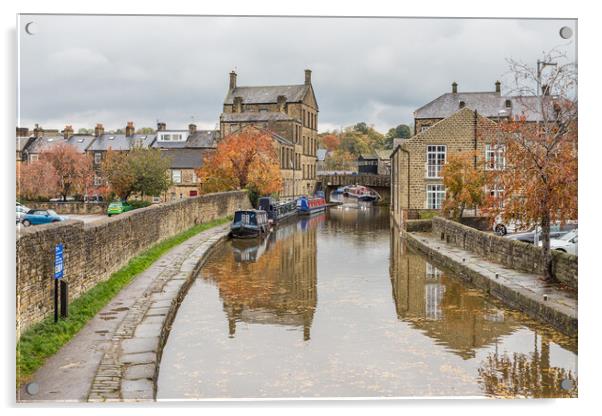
[(310, 205), (250, 223), (278, 210)]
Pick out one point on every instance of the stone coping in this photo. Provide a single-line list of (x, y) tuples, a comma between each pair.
[(524, 291), (129, 368)]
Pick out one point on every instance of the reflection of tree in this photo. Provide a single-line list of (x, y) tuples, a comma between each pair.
[(522, 375), (279, 287)]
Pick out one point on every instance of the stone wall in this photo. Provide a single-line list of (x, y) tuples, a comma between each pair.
[(515, 254), (66, 208), (418, 226), (93, 251)]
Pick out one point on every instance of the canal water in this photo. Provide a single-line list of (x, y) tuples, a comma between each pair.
[(336, 306)]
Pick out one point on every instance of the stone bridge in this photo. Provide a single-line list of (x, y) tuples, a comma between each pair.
[(380, 183)]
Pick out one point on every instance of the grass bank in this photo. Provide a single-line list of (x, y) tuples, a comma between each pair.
[(45, 338)]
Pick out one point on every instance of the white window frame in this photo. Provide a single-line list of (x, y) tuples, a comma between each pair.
[(433, 170), (497, 192), (97, 158), (495, 157), (435, 193), (34, 157), (176, 177), (97, 181)]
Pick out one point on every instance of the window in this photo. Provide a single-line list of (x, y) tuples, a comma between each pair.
[(97, 181), (435, 159), (97, 158), (195, 179), (176, 176), (497, 192), (424, 128), (495, 158), (435, 194), (33, 158), (171, 137)]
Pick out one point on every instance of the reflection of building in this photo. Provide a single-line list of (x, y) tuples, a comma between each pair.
[(279, 287), (453, 315)]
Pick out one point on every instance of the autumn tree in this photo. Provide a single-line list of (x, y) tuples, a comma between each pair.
[(74, 170), (330, 141), (37, 180), (243, 160), (539, 181), (464, 179)]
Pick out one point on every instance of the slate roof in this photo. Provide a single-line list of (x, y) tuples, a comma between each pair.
[(184, 158), (486, 103), (81, 141), (267, 94), (23, 142), (256, 116), (120, 141), (42, 143)]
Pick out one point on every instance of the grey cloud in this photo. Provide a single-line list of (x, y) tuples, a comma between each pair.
[(85, 69)]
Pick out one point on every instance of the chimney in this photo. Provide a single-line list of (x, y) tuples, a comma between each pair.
[(192, 128), (22, 132), (454, 87), (545, 89), (68, 132), (38, 131), (232, 80), (237, 105), (129, 129), (308, 77), (281, 103), (161, 126), (498, 87), (99, 130)]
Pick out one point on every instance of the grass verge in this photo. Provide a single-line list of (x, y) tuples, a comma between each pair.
[(45, 338)]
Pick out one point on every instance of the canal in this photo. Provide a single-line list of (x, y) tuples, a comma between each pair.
[(336, 306)]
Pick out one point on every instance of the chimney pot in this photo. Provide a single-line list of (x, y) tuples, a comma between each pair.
[(38, 131), (308, 77), (68, 132), (192, 128), (232, 80), (129, 129), (454, 87), (498, 87), (161, 126), (99, 130)]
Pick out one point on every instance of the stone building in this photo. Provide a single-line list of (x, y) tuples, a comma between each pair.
[(416, 182), (289, 111)]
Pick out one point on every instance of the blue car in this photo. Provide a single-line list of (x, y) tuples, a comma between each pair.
[(41, 216)]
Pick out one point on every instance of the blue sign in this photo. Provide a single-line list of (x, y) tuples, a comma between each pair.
[(59, 266)]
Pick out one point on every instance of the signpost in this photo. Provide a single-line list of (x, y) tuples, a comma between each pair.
[(59, 268)]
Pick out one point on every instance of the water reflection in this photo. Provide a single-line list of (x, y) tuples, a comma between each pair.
[(388, 323), (276, 289)]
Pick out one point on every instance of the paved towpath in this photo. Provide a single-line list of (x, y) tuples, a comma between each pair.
[(114, 357), (528, 292)]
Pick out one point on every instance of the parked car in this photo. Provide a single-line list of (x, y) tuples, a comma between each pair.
[(534, 236), (41, 216), (118, 207), (567, 243), (21, 211), (501, 227), (93, 198), (68, 199)]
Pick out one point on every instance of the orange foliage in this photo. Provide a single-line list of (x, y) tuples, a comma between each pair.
[(463, 180), (246, 159), (331, 142)]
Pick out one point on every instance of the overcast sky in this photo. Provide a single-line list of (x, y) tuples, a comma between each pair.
[(83, 70)]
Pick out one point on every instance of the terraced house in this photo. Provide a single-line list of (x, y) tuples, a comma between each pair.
[(288, 111)]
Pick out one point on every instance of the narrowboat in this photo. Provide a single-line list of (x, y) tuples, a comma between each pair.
[(278, 210), (361, 193), (250, 223), (310, 205)]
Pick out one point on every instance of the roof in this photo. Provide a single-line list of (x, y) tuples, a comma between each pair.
[(488, 104), (120, 141), (267, 94), (383, 153), (256, 116), (184, 158), (22, 142), (42, 143), (81, 141), (199, 139)]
